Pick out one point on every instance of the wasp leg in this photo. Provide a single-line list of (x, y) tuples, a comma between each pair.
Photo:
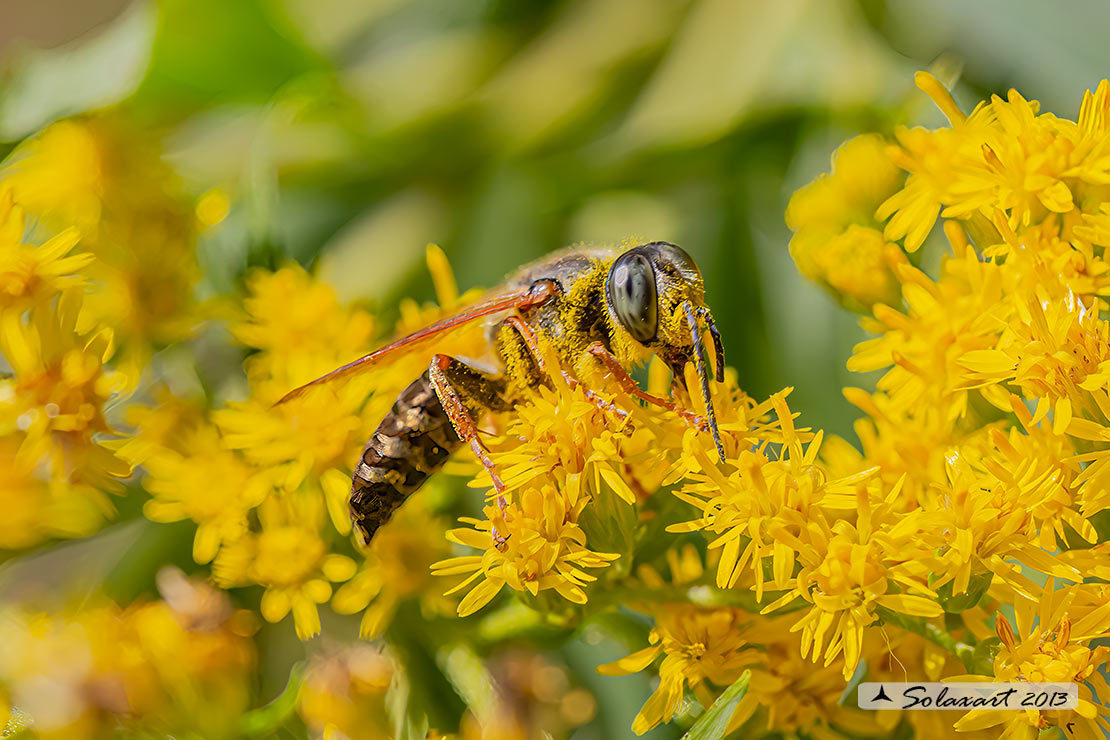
[(447, 375), (628, 384), (531, 342)]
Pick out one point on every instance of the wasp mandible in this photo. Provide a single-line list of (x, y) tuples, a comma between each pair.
[(592, 305)]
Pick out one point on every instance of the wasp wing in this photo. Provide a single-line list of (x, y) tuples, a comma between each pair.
[(506, 302)]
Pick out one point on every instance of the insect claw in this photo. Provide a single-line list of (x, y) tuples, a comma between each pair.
[(499, 542)]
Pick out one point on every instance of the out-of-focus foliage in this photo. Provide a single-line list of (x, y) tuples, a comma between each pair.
[(204, 204)]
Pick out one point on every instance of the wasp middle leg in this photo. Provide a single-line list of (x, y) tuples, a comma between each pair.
[(532, 347)]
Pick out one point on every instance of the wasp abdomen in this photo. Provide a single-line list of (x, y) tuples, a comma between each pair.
[(412, 442)]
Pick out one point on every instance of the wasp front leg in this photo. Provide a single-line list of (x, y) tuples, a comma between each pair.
[(452, 379), (628, 385)]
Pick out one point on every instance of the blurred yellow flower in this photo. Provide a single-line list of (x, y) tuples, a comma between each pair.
[(204, 482), (38, 506), (30, 273), (58, 391), (177, 666), (397, 568), (287, 557), (98, 178), (343, 694), (301, 329), (837, 241), (62, 172)]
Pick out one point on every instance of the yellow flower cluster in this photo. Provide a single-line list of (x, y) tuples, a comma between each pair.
[(982, 460), (179, 665), (965, 536), (988, 428), (63, 258), (267, 486), (217, 469), (98, 180), (838, 241)]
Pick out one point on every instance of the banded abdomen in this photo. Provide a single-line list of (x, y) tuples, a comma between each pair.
[(413, 441)]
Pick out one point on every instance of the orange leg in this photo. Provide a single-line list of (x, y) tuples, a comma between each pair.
[(628, 384), (528, 334), (465, 427)]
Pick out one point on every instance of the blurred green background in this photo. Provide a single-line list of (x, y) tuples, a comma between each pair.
[(350, 133)]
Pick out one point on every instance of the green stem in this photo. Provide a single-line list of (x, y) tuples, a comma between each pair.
[(919, 626)]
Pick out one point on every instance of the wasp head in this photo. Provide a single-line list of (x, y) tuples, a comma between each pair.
[(655, 292)]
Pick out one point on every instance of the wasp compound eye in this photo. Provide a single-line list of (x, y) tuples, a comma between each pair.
[(632, 295), (677, 257)]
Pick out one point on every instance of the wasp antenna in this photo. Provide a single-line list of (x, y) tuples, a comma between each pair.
[(718, 346), (703, 375)]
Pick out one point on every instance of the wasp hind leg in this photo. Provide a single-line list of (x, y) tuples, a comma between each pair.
[(462, 391)]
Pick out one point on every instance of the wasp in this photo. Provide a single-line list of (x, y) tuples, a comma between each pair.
[(601, 309)]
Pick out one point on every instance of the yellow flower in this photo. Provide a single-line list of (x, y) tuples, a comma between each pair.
[(396, 569), (539, 546), (560, 437), (307, 435), (944, 320), (204, 482), (37, 506), (1054, 650), (301, 328), (61, 172), (343, 694), (793, 697), (302, 332), (1023, 161), (698, 646), (1053, 350), (289, 558), (845, 581), (31, 273), (837, 242), (101, 177), (764, 504), (171, 422), (935, 161), (59, 390)]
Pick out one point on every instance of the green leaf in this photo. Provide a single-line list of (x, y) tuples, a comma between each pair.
[(270, 718), (90, 73), (211, 51), (422, 697), (849, 692), (976, 588), (714, 723)]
